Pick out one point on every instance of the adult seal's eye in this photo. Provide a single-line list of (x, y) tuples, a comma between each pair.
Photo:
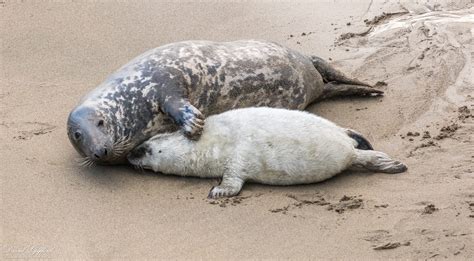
[(77, 135), (100, 123)]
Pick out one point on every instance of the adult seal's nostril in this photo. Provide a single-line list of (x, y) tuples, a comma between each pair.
[(100, 154)]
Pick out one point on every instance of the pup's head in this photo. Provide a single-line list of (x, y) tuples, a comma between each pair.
[(162, 153)]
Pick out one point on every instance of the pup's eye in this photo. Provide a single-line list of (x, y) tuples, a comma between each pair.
[(100, 123), (159, 151), (77, 135)]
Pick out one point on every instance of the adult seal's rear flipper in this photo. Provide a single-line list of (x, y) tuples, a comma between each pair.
[(338, 84), (332, 89)]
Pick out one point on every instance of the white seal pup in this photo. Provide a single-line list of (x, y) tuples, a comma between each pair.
[(264, 145), (177, 85)]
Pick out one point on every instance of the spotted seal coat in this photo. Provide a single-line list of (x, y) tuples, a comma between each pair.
[(265, 145), (175, 85)]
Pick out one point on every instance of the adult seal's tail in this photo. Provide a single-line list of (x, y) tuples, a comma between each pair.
[(177, 85)]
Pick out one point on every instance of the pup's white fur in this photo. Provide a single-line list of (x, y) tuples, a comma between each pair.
[(265, 145)]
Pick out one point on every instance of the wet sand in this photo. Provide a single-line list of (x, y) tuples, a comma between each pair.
[(422, 54)]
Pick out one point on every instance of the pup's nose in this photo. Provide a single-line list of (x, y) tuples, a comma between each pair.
[(136, 153), (100, 153)]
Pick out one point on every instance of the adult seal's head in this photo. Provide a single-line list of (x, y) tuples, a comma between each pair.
[(114, 118), (103, 131), (91, 135)]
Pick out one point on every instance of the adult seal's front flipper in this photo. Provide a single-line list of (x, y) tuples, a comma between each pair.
[(185, 115), (174, 103), (191, 121)]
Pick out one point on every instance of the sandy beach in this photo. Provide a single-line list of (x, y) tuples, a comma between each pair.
[(421, 54)]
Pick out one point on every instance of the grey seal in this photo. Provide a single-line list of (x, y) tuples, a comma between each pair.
[(264, 145), (176, 85)]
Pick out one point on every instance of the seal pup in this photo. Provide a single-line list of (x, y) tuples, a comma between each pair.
[(265, 145), (175, 85)]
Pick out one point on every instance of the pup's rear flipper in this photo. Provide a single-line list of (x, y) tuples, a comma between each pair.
[(377, 161), (338, 84)]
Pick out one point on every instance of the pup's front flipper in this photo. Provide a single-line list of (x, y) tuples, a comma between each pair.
[(188, 117), (230, 186)]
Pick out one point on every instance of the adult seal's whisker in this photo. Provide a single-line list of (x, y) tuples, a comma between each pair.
[(85, 162)]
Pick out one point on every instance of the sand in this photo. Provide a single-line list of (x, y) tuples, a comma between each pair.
[(54, 52)]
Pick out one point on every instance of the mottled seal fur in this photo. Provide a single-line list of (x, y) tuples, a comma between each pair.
[(175, 85), (264, 145)]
